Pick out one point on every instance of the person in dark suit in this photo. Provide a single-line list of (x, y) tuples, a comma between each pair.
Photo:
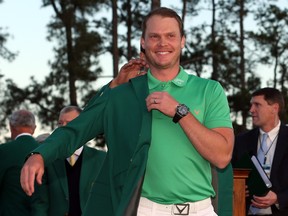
[(69, 184), (13, 200), (267, 106)]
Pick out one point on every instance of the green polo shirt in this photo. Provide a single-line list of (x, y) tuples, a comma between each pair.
[(176, 172)]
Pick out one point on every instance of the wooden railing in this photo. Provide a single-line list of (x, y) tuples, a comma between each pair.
[(239, 199)]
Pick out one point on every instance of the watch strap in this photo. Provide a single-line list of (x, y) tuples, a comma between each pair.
[(178, 115)]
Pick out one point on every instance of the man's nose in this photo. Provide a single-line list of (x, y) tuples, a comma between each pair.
[(251, 110), (162, 41)]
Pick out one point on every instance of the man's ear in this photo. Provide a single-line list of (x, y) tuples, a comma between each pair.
[(142, 43), (275, 108), (183, 41)]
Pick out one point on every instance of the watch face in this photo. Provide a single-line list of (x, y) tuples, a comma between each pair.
[(183, 110)]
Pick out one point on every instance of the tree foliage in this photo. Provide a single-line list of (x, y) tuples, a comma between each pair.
[(272, 40), (221, 46), (5, 53)]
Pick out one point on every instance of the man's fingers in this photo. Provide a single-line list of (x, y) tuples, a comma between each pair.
[(39, 177), (24, 180), (33, 168)]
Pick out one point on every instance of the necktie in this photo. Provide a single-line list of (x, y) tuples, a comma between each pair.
[(263, 149), (72, 159), (262, 159)]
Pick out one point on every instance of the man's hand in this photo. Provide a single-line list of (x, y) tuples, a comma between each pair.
[(33, 168), (163, 102), (246, 191), (265, 201), (130, 70)]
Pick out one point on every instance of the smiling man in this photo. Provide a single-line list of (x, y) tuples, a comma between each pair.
[(163, 130), (267, 106)]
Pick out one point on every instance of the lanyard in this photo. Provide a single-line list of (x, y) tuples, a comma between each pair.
[(261, 147)]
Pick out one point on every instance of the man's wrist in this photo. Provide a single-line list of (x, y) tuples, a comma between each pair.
[(113, 83), (181, 111), (30, 154)]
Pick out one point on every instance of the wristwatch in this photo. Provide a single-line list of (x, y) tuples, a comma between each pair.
[(181, 111)]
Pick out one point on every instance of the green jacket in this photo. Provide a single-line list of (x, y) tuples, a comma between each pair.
[(222, 180), (13, 200), (112, 112), (127, 152), (57, 183)]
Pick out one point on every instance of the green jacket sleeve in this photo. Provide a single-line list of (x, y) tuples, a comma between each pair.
[(90, 123)]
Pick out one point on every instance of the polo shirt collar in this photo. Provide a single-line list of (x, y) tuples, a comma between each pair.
[(180, 80)]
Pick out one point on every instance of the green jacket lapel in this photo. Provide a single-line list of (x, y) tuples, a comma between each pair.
[(130, 198)]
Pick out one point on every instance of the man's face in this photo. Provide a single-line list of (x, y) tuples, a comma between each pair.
[(162, 42), (262, 113), (65, 118)]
